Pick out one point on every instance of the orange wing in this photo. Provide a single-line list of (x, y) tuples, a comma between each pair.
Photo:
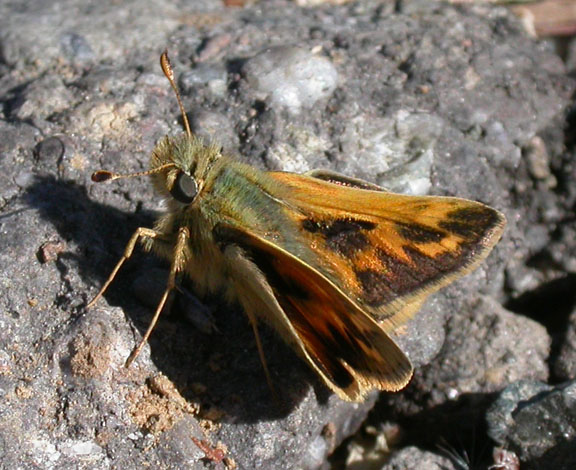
[(385, 251)]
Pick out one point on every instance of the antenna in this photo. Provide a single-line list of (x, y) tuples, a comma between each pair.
[(104, 175), (169, 73)]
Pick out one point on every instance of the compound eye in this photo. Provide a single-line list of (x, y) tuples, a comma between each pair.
[(185, 188)]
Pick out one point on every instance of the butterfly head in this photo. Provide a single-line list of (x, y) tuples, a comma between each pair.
[(179, 166)]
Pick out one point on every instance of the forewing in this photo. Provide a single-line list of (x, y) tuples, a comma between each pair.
[(345, 345), (385, 251)]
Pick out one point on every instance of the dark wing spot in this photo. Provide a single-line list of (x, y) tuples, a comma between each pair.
[(420, 233), (344, 236), (401, 277), (345, 239), (429, 269), (375, 287), (310, 225), (471, 222)]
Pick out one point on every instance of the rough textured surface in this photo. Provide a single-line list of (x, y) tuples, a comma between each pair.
[(486, 348), (565, 366), (417, 96), (412, 458), (537, 423)]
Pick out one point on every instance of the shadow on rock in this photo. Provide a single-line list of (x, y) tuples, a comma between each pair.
[(219, 367)]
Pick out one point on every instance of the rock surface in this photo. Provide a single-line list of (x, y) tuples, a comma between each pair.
[(419, 97)]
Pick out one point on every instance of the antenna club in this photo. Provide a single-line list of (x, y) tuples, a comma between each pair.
[(166, 65), (102, 175), (169, 73)]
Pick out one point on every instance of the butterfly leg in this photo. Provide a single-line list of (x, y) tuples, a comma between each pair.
[(141, 232), (254, 323), (175, 267), (253, 292)]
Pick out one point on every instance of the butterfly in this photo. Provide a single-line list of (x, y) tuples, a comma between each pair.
[(334, 264)]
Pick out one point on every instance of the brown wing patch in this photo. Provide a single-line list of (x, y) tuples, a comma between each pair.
[(395, 277), (344, 236), (419, 233), (346, 346), (384, 250)]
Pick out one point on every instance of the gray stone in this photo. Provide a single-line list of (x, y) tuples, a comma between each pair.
[(565, 366), (412, 458), (538, 423), (487, 348), (291, 77)]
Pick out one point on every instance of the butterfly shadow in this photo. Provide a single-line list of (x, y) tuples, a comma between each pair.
[(206, 346), (456, 429)]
